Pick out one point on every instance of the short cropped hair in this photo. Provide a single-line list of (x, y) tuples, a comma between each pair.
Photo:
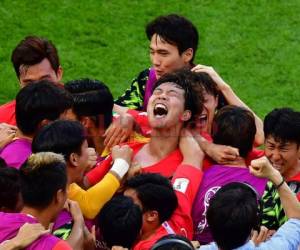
[(91, 98), (155, 193), (61, 137), (42, 175), (38, 101), (10, 188), (184, 80), (120, 222), (283, 125), (32, 50), (234, 126), (176, 30), (232, 214)]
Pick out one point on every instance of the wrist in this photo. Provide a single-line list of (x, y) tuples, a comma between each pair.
[(223, 86), (11, 244), (120, 167), (277, 186), (276, 178)]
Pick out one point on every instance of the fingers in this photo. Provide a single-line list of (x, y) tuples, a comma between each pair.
[(201, 68), (116, 135), (6, 135), (123, 152), (5, 125), (92, 157), (263, 234), (109, 131), (228, 154), (254, 236)]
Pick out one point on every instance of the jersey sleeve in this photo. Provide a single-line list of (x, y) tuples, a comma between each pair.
[(133, 97), (92, 200), (99, 171), (186, 181), (273, 215)]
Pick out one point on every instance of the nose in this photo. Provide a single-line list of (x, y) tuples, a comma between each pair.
[(275, 157), (162, 96), (155, 59)]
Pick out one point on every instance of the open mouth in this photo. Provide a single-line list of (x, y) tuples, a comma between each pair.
[(160, 110), (202, 119), (277, 166)]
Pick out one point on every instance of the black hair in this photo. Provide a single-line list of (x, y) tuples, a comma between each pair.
[(183, 79), (62, 137), (176, 30), (120, 222), (38, 101), (32, 50), (283, 125), (155, 193), (10, 188), (232, 214), (2, 163), (234, 126), (42, 175), (174, 242), (92, 98), (202, 81)]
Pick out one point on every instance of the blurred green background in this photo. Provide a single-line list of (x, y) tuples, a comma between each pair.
[(254, 45)]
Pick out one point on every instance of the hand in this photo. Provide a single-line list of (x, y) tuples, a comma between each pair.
[(260, 237), (124, 152), (7, 133), (74, 209), (5, 125), (212, 73), (191, 151), (89, 241), (134, 170), (28, 233), (222, 154), (92, 158), (119, 130), (263, 168), (118, 248)]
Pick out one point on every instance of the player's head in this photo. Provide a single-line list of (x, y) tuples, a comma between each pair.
[(34, 59)]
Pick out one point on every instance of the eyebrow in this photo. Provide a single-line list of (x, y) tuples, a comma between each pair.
[(40, 78)]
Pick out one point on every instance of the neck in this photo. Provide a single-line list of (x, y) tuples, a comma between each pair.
[(148, 232), (238, 162), (42, 216), (291, 172), (163, 142), (20, 135), (70, 173)]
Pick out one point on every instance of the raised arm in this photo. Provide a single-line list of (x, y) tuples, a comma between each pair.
[(232, 98), (93, 199), (219, 153), (263, 168)]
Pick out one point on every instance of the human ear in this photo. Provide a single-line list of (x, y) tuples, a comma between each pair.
[(188, 55), (187, 114)]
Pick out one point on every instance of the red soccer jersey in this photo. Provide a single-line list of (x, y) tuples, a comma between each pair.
[(165, 167), (8, 113), (186, 182), (294, 184)]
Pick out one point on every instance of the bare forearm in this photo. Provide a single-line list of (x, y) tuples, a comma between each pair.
[(288, 199), (202, 142), (75, 239), (10, 245), (120, 109)]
